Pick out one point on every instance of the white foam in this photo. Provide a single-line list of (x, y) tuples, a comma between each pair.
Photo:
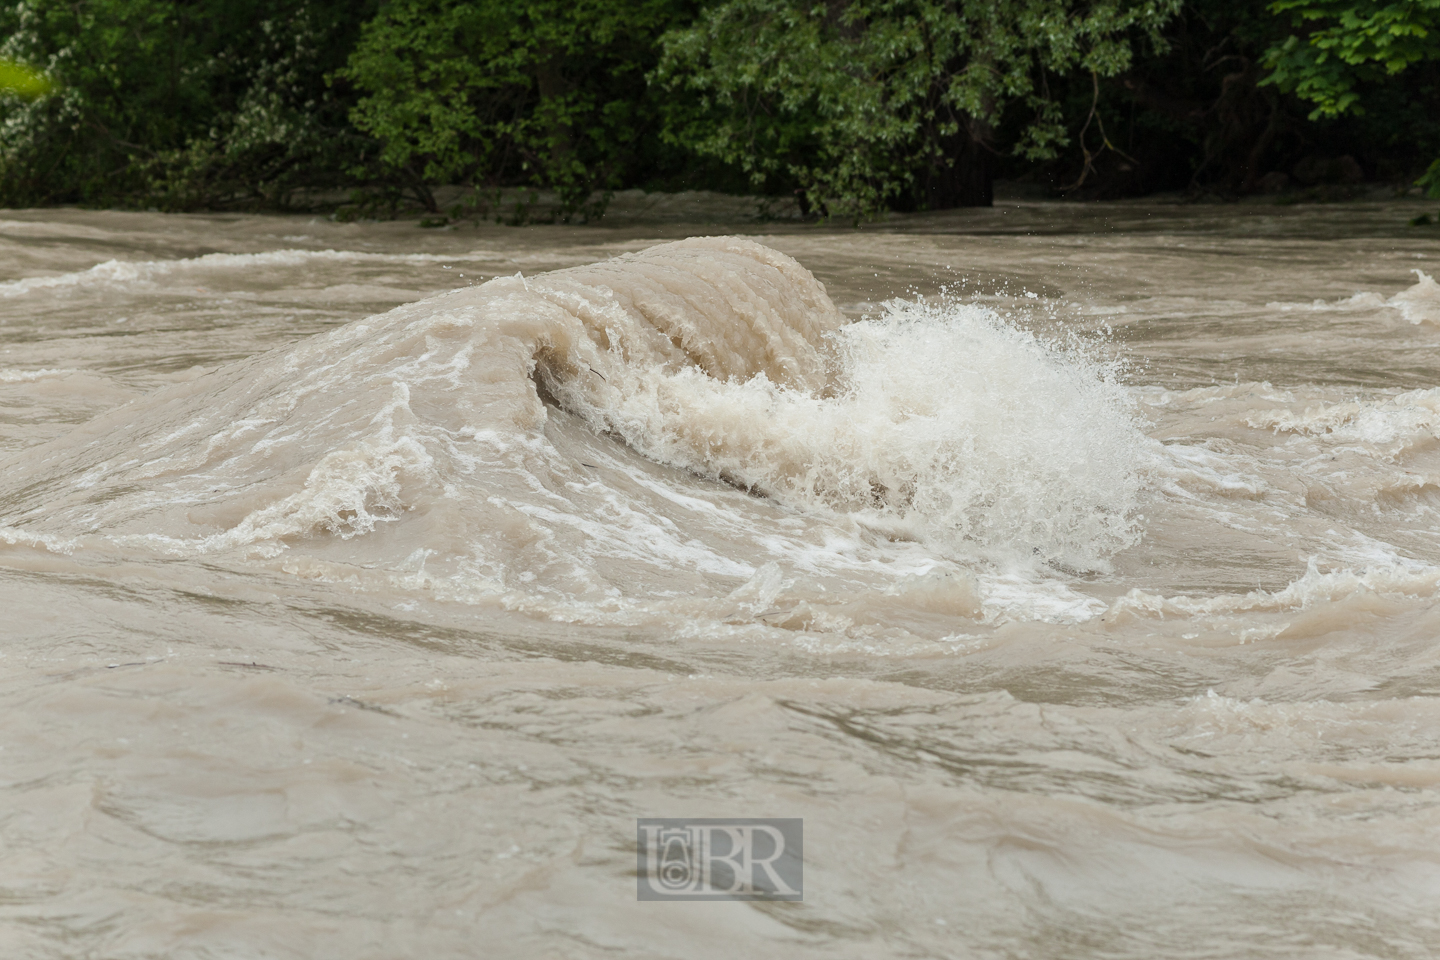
[(1186, 470), (20, 537), (31, 376), (941, 422), (349, 490), (124, 272), (934, 434), (1392, 424), (1421, 302), (1247, 390), (1312, 589)]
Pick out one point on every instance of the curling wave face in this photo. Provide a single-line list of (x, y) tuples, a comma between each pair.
[(557, 439)]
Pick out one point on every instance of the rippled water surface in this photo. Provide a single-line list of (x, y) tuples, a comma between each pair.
[(1071, 570)]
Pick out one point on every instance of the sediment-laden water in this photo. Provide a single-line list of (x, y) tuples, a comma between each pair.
[(1071, 570)]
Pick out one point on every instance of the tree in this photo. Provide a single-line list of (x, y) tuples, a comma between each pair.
[(1346, 43), (203, 103), (863, 104), (543, 93)]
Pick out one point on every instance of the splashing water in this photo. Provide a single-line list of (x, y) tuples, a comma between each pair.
[(940, 422), (315, 572), (931, 422)]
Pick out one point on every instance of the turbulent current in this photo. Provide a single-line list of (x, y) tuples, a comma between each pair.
[(1073, 572)]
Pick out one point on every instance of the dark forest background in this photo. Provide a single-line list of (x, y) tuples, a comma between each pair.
[(849, 106)]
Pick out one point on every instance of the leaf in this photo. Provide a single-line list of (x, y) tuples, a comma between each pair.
[(22, 81)]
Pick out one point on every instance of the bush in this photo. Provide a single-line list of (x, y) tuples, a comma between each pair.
[(202, 104), (1341, 45), (536, 93), (854, 106), (863, 104)]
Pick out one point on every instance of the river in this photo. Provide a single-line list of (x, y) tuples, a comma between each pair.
[(1070, 569)]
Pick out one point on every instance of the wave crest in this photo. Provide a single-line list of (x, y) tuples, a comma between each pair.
[(424, 432)]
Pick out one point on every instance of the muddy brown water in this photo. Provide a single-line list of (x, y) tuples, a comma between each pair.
[(1071, 570)]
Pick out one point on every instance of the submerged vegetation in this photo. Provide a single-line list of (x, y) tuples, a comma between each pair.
[(848, 106)]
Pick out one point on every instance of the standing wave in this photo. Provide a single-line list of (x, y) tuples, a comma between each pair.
[(934, 423)]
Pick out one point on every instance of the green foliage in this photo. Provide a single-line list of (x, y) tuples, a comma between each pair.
[(172, 104), (859, 102), (548, 94), (1348, 42), (1430, 180), (853, 106)]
